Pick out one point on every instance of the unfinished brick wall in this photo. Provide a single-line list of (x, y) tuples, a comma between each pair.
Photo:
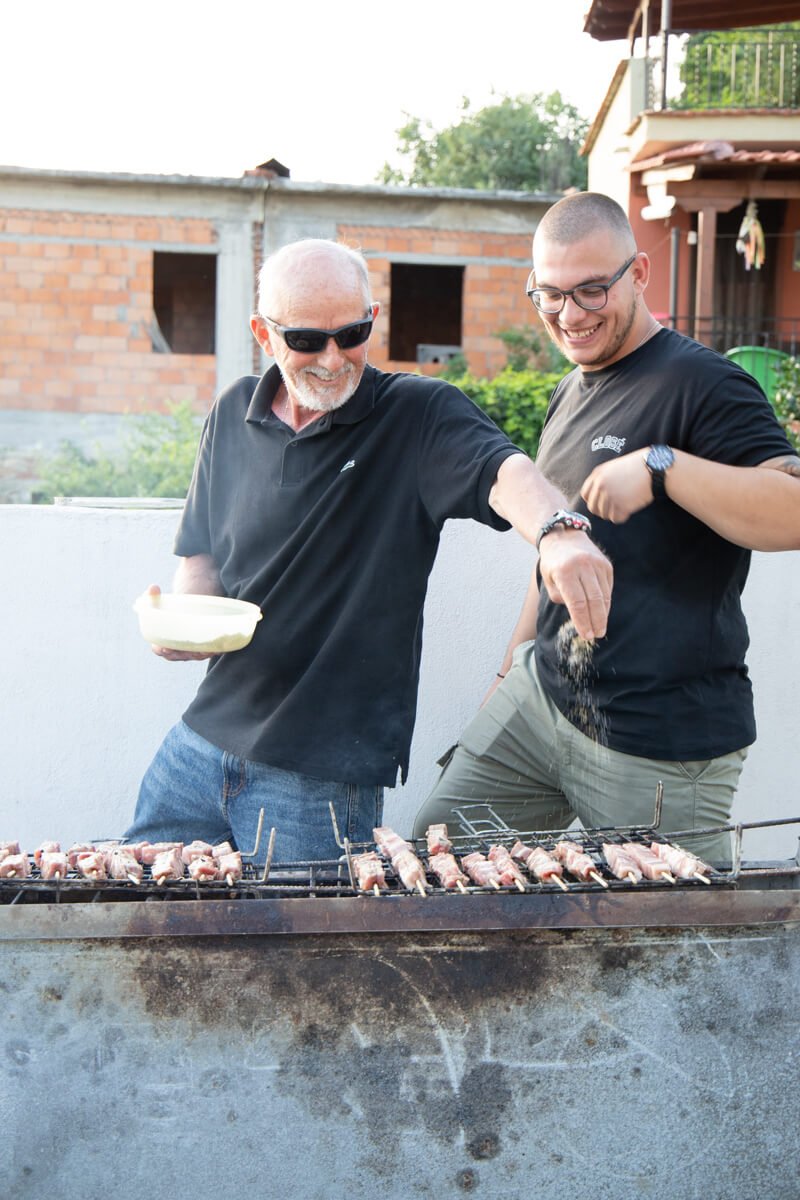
[(76, 307), (493, 289)]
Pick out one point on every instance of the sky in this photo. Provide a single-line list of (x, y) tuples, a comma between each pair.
[(215, 89)]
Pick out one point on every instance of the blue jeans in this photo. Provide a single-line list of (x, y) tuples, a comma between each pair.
[(195, 790)]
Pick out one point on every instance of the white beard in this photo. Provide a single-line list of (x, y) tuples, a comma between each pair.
[(317, 401)]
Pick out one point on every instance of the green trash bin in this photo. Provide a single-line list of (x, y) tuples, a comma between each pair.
[(762, 362)]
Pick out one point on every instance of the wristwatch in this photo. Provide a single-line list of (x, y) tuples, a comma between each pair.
[(563, 519), (658, 461)]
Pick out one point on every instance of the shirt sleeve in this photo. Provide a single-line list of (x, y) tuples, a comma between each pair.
[(460, 451), (737, 425)]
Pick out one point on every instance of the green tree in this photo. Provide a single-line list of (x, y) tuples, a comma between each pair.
[(520, 144), (155, 458), (742, 68)]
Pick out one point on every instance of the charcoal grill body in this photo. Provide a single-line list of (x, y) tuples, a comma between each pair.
[(322, 1047)]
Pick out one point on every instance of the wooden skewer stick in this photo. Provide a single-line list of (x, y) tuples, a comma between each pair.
[(703, 878), (132, 878), (670, 878), (557, 879), (376, 889), (461, 887), (493, 883), (421, 888), (632, 877), (229, 880), (520, 885), (598, 878)]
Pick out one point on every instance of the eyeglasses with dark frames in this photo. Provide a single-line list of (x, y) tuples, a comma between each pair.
[(589, 296), (314, 341)]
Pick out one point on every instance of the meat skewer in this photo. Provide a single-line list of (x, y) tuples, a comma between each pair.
[(150, 851), (45, 848), (652, 867), (509, 871), (481, 870), (402, 857), (447, 871), (577, 862), (14, 866), (123, 865), (53, 864), (539, 863), (7, 848), (203, 868), (230, 867), (437, 839), (92, 864), (168, 864), (620, 863), (75, 850), (368, 870), (681, 862)]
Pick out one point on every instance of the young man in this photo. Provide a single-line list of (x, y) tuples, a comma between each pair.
[(319, 494), (675, 459)]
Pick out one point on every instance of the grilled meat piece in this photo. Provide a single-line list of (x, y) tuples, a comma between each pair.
[(53, 864), (230, 867), (621, 863), (402, 857), (92, 864), (195, 850), (204, 868), (123, 865), (576, 861), (680, 862), (537, 861), (480, 869), (651, 866), (220, 849), (510, 873), (7, 848), (76, 849), (437, 839), (446, 869), (390, 843), (368, 870), (151, 850), (168, 864), (45, 848), (14, 866)]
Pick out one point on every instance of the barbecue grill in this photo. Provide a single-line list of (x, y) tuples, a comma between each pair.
[(161, 1037)]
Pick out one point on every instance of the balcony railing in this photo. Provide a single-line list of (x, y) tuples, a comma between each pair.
[(723, 332), (730, 74)]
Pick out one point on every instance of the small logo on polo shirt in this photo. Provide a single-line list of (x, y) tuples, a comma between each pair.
[(351, 462), (608, 443)]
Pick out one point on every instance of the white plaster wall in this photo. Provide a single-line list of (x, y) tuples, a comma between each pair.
[(85, 703)]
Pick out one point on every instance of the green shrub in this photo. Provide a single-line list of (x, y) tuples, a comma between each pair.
[(155, 458), (786, 400), (515, 400)]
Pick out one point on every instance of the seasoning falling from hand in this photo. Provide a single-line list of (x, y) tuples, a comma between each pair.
[(575, 659)]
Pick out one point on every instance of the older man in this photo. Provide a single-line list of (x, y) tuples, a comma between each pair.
[(319, 493), (678, 460)]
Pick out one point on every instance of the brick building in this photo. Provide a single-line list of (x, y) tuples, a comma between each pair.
[(119, 293)]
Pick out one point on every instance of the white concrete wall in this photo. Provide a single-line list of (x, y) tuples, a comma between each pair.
[(85, 703)]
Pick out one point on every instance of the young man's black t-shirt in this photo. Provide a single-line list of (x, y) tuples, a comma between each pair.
[(669, 680)]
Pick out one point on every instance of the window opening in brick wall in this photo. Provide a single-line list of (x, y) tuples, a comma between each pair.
[(184, 302), (426, 303)]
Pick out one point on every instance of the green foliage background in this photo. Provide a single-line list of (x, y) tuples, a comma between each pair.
[(521, 143), (786, 401), (712, 76), (156, 458)]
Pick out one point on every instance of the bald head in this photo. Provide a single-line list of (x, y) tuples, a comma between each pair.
[(302, 269), (581, 216)]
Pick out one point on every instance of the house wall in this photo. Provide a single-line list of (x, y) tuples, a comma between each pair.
[(787, 275), (76, 279), (87, 703)]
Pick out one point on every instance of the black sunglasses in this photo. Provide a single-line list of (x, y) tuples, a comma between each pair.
[(312, 341)]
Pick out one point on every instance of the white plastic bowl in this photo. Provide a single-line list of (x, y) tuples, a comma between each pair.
[(201, 624)]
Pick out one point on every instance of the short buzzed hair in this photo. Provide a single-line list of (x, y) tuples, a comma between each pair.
[(292, 255), (578, 216)]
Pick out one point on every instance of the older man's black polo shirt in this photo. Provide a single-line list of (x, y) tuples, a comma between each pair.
[(332, 531)]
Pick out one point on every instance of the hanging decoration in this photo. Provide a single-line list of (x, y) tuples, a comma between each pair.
[(750, 241)]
